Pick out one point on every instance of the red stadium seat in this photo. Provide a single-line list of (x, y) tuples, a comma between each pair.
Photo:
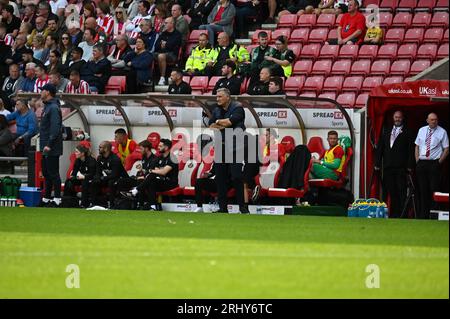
[(433, 35), (422, 20), (306, 21), (425, 5), (302, 67), (352, 83), (194, 35), (349, 51), (400, 67), (294, 85), (299, 36), (315, 145), (329, 52), (308, 94), (255, 35), (251, 47), (361, 100), (387, 51), (386, 19), (333, 83), (402, 20), (189, 47), (427, 51), (287, 21), (389, 5), (310, 51), (445, 38), (443, 51), (407, 51), (328, 95), (296, 48), (440, 19), (341, 67), (441, 5), (338, 19), (380, 67), (395, 35), (407, 5), (346, 99), (332, 34), (212, 83), (326, 20), (371, 82), (418, 66), (199, 83), (366, 3), (368, 51), (292, 192), (393, 79), (322, 67), (313, 84), (281, 32), (116, 84), (361, 67), (318, 35), (414, 35), (329, 183)]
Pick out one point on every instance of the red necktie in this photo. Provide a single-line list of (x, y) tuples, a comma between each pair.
[(428, 142)]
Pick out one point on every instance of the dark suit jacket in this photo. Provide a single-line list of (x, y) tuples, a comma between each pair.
[(401, 155), (102, 68)]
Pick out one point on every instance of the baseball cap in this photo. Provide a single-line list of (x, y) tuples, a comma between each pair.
[(49, 87)]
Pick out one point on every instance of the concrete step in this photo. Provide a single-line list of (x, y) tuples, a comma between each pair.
[(244, 42), (161, 88), (22, 177)]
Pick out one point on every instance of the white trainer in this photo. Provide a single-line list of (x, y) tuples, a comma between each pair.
[(198, 210)]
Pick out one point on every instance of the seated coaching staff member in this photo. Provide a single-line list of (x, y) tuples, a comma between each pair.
[(228, 115)]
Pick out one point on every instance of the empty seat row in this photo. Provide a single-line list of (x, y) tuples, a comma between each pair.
[(408, 5), (406, 19)]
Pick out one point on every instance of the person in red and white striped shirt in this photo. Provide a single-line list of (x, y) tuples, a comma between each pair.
[(143, 13), (6, 38), (42, 78), (104, 19), (76, 85)]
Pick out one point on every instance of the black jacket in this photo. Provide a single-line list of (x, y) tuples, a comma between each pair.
[(258, 88), (87, 167), (77, 66), (183, 88), (101, 67), (233, 84), (50, 129), (401, 155), (173, 44), (109, 168), (293, 172)]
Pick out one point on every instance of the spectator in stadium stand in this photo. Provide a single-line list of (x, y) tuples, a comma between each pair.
[(157, 20), (82, 174), (29, 14), (281, 58), (199, 57), (40, 29), (3, 110), (109, 170), (5, 51), (148, 162), (27, 126), (118, 53), (131, 6), (325, 7), (226, 50), (54, 63), (245, 9), (51, 43), (11, 85), (58, 6), (76, 35), (25, 29), (143, 14), (276, 86), (105, 20), (395, 153), (180, 22), (262, 86), (199, 12), (18, 49), (88, 44), (45, 11), (167, 48), (139, 61), (65, 47), (6, 138), (51, 144), (341, 6), (148, 35), (125, 145), (76, 85), (352, 28), (27, 56), (76, 62), (120, 22), (430, 153), (52, 26), (88, 12), (220, 20), (273, 5), (100, 37), (27, 85), (230, 81), (11, 22), (374, 34), (97, 71), (40, 52), (178, 86), (41, 78), (300, 7), (330, 166), (58, 81), (163, 177), (229, 115)]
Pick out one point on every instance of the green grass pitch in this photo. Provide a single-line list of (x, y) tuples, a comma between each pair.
[(133, 254)]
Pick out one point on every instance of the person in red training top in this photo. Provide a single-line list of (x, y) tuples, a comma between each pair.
[(330, 166), (125, 146), (352, 27)]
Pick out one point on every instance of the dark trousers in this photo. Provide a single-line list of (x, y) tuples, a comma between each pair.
[(96, 190), (428, 178), (224, 173), (126, 183), (52, 180), (69, 189), (201, 185), (394, 183), (241, 18), (152, 184)]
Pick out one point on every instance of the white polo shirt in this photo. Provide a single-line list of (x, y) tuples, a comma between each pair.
[(439, 141)]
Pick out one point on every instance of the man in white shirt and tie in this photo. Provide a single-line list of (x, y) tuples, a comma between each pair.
[(431, 151), (395, 155)]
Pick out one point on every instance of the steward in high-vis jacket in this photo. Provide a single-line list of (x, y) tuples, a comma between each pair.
[(200, 56)]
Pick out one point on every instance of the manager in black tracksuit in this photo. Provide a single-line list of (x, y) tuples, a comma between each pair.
[(395, 155), (228, 115)]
